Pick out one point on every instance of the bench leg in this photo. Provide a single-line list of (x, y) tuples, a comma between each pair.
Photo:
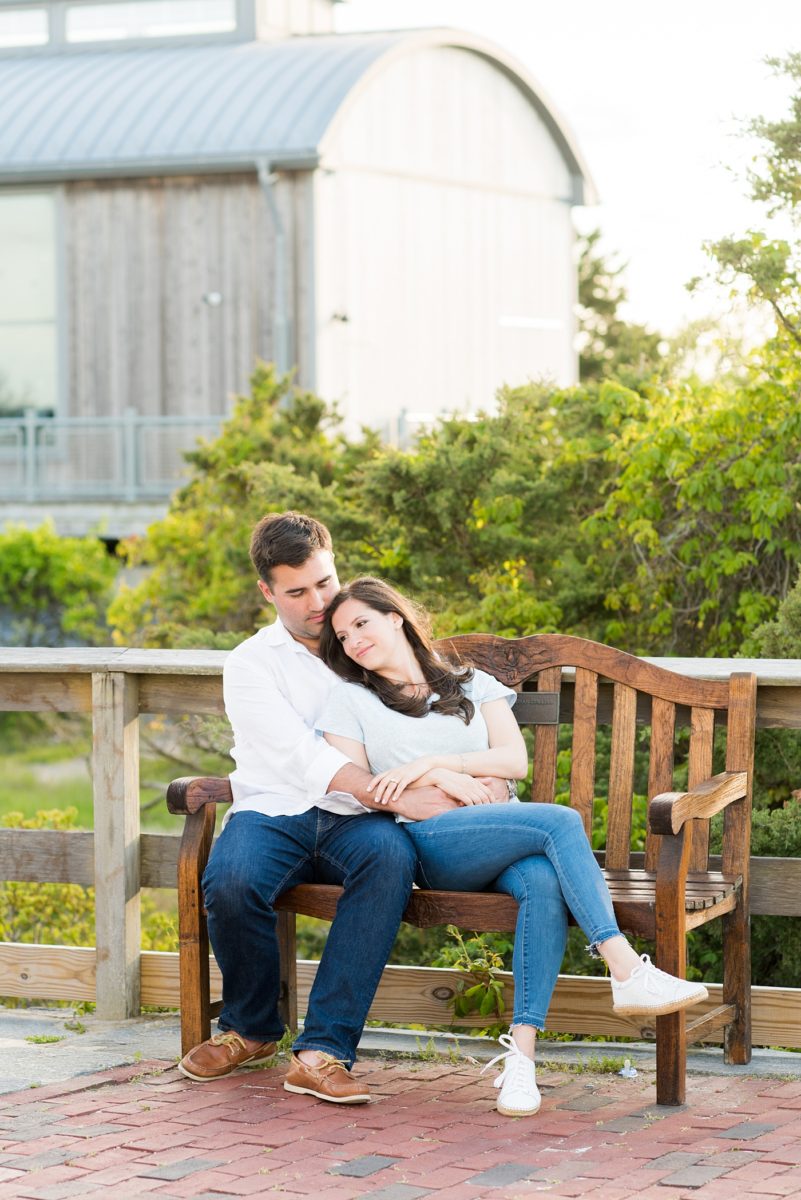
[(671, 956), (194, 973), (288, 993), (737, 984), (671, 1057), (193, 933)]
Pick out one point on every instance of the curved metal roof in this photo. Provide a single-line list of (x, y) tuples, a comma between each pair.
[(206, 107)]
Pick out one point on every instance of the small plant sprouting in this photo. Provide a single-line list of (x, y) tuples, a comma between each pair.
[(484, 996)]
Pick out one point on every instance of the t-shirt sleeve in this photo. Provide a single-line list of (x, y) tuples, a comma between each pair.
[(341, 713), (484, 687)]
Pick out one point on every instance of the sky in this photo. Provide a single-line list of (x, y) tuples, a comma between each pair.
[(656, 96)]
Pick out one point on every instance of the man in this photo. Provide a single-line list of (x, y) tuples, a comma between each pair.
[(300, 814)]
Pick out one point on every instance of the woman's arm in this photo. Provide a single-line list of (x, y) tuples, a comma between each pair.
[(505, 757), (420, 801), (354, 749)]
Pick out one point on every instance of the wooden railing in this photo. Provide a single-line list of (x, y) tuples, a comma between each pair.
[(117, 686)]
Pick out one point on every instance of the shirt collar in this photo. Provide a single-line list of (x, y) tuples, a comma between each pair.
[(278, 635)]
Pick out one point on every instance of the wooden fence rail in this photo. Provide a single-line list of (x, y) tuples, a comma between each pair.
[(116, 686)]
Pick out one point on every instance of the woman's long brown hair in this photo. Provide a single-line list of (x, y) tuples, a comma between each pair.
[(444, 678)]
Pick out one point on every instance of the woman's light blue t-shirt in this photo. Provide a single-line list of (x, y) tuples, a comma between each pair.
[(391, 738)]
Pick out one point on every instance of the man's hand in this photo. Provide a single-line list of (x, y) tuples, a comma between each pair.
[(498, 788), (419, 803), (416, 803)]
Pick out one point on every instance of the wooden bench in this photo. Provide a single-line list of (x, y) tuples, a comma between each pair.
[(674, 891)]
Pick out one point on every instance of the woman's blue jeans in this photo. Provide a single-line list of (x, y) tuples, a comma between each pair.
[(254, 860), (538, 853)]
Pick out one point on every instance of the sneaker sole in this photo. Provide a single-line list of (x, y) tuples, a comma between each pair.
[(517, 1112), (661, 1010), (251, 1062), (304, 1091)]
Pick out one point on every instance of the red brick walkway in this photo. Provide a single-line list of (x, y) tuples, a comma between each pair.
[(431, 1130)]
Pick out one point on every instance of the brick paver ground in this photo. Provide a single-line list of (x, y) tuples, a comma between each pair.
[(430, 1131)]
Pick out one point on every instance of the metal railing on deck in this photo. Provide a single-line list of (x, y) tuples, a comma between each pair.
[(115, 686), (131, 457)]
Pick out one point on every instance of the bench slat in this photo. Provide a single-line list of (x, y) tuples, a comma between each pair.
[(582, 771), (702, 737), (546, 744), (660, 766), (496, 910), (621, 776)]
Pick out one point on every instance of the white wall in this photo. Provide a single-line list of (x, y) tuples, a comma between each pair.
[(444, 237)]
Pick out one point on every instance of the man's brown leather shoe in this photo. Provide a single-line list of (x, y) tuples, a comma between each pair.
[(221, 1055), (330, 1080)]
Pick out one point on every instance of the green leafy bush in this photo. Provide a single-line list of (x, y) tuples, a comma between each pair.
[(54, 590)]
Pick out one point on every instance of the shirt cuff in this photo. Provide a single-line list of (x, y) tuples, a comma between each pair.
[(322, 769)]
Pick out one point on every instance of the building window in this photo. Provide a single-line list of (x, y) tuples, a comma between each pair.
[(149, 19), (28, 308), (23, 27)]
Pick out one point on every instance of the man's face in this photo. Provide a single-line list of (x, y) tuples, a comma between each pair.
[(301, 595)]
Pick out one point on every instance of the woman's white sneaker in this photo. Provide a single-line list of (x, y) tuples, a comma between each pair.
[(649, 992), (519, 1094)]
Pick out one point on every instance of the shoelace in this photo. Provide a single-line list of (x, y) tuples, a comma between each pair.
[(515, 1061), (230, 1039), (648, 973), (328, 1062)]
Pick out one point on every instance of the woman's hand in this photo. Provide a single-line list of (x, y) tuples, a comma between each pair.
[(389, 785), (463, 787)]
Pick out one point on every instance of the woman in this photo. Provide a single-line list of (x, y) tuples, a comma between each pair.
[(412, 718)]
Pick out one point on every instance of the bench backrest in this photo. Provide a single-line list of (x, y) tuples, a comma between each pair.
[(599, 685)]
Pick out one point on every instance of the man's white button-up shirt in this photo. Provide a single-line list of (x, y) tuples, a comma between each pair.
[(275, 690)]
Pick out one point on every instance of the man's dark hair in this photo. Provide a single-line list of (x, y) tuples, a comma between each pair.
[(286, 539)]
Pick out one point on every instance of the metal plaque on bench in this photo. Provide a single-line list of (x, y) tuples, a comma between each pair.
[(537, 708)]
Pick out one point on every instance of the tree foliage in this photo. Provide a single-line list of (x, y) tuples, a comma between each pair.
[(769, 268), (611, 347), (703, 522), (483, 520), (54, 590), (275, 452)]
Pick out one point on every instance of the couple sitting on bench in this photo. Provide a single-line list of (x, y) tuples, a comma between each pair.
[(345, 717)]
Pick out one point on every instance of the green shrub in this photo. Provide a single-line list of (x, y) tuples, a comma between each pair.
[(54, 590)]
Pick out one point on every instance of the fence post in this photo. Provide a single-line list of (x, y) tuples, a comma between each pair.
[(30, 454), (115, 777), (130, 451)]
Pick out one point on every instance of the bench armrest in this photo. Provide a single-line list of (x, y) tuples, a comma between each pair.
[(668, 812), (188, 795)]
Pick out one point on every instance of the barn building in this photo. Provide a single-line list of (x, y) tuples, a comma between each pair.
[(187, 186)]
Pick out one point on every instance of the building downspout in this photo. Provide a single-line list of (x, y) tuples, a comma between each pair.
[(281, 322)]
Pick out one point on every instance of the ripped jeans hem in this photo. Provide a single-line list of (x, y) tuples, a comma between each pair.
[(528, 1019), (593, 947)]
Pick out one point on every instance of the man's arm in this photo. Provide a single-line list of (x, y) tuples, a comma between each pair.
[(415, 803), (281, 744)]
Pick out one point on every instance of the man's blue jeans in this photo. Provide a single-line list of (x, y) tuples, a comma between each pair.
[(537, 853), (254, 860)]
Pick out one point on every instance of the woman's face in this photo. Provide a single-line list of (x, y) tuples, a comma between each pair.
[(371, 638)]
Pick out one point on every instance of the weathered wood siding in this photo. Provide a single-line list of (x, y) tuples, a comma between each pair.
[(444, 240), (140, 256)]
